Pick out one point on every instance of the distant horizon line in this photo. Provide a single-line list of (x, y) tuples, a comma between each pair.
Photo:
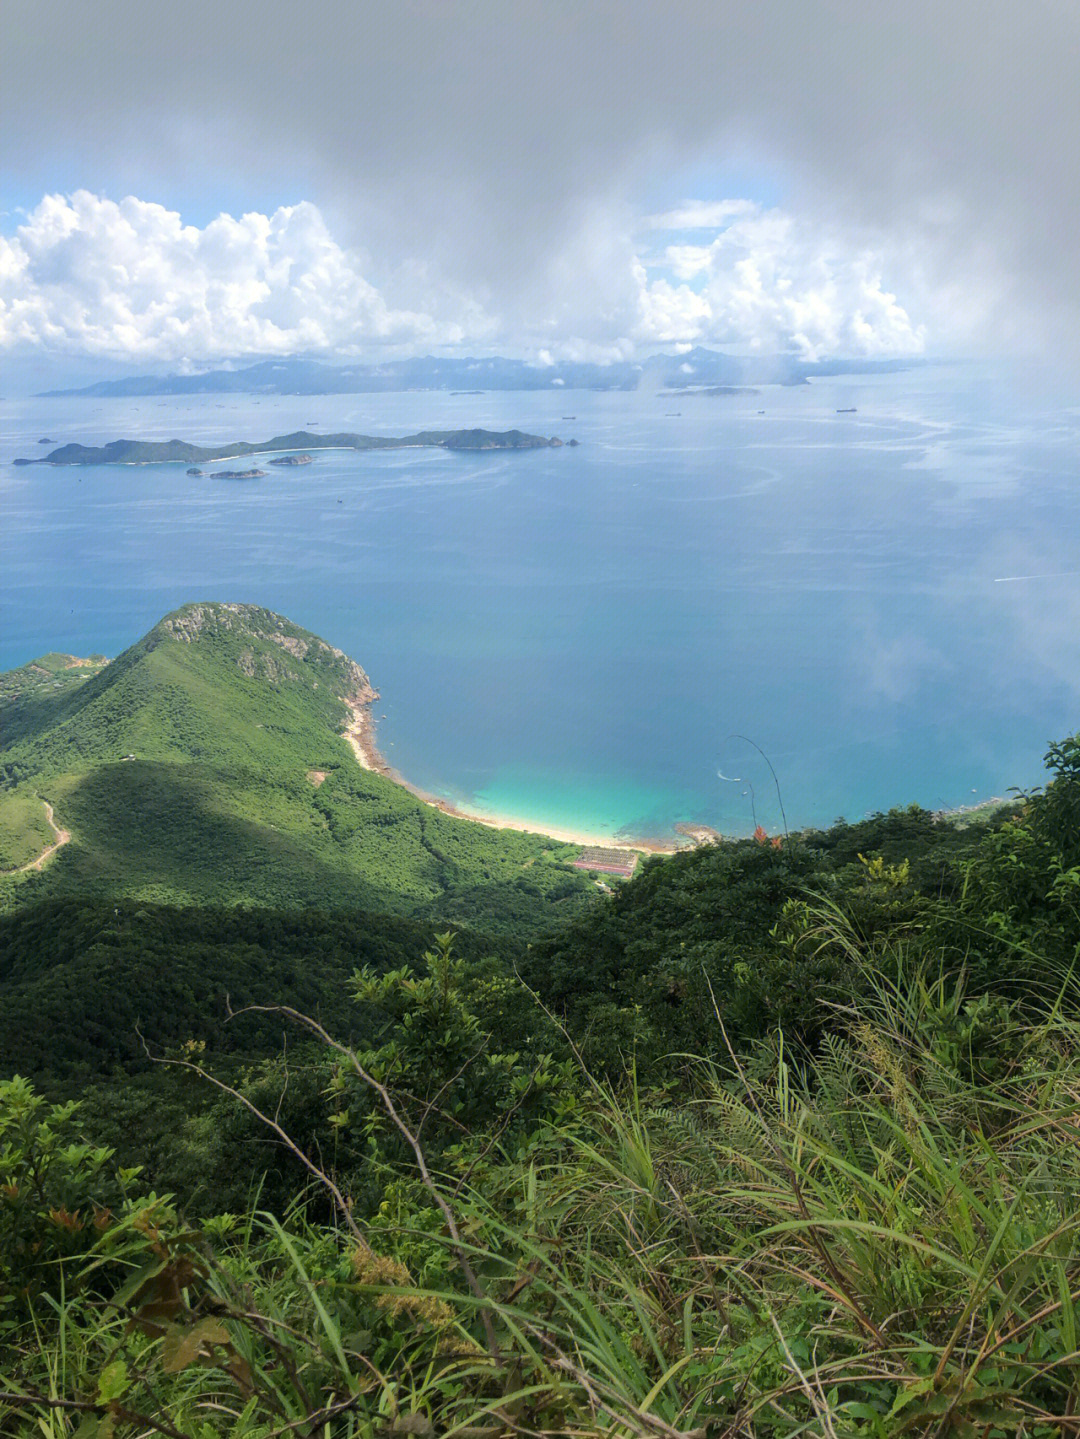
[(439, 372)]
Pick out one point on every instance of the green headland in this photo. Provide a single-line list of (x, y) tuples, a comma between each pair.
[(207, 764)]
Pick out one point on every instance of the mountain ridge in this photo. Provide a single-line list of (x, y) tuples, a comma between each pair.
[(208, 764), (496, 372)]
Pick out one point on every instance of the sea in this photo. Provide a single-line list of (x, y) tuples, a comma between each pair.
[(775, 608)]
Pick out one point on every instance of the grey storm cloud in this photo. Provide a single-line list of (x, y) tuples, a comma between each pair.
[(477, 141)]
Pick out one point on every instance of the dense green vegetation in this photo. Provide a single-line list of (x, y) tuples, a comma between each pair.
[(24, 829), (778, 1140), (206, 765), (98, 972), (31, 693), (850, 1212)]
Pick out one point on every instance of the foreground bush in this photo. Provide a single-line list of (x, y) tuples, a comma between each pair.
[(879, 1239)]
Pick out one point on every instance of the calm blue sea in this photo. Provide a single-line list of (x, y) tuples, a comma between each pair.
[(592, 637)]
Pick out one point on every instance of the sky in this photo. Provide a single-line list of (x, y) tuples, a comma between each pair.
[(191, 183)]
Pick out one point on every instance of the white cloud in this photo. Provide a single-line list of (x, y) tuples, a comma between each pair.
[(950, 128), (130, 281), (701, 215), (766, 283), (669, 314), (89, 275), (897, 666)]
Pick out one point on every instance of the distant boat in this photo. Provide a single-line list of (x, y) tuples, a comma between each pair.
[(569, 417), (852, 411)]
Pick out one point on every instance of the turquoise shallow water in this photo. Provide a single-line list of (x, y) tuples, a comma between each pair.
[(575, 636)]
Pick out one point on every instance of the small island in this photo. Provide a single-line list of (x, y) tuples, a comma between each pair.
[(251, 474), (716, 390), (292, 460), (158, 452)]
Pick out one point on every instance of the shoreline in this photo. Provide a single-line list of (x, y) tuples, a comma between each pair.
[(360, 736)]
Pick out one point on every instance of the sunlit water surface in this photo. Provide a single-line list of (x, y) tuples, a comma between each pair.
[(582, 636)]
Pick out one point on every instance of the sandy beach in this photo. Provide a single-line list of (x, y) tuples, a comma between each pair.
[(361, 737)]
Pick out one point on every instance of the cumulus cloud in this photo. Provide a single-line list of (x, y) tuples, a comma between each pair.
[(88, 275), (483, 137), (768, 283), (130, 280)]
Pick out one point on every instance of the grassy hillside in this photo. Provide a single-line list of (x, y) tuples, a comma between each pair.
[(206, 765)]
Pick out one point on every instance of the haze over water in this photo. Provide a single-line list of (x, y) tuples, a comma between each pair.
[(575, 636)]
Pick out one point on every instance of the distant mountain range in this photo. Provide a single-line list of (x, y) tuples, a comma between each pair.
[(697, 367)]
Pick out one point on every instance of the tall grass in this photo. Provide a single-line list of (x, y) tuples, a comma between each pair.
[(880, 1238)]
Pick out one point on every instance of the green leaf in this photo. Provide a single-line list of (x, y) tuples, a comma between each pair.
[(910, 1393), (181, 1347), (113, 1382), (127, 1293)]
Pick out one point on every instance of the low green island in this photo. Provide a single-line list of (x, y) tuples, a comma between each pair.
[(158, 452)]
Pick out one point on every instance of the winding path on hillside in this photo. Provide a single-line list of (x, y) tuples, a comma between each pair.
[(62, 837)]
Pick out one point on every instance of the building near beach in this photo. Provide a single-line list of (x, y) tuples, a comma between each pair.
[(608, 861)]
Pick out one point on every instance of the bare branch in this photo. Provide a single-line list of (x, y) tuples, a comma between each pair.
[(290, 1144), (456, 1243), (91, 1406)]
